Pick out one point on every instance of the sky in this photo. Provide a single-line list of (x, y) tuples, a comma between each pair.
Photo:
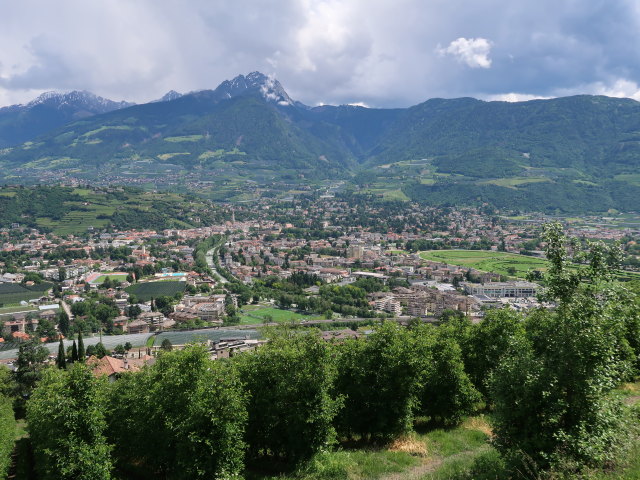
[(379, 53)]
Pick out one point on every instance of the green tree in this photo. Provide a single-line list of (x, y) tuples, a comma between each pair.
[(488, 341), (119, 349), (184, 417), (379, 378), (100, 351), (289, 383), (61, 361), (552, 390), (166, 345), (446, 393), (30, 362), (67, 424), (128, 346), (74, 352), (7, 434), (63, 322), (81, 352)]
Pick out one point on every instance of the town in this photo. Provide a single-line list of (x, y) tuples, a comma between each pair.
[(328, 260)]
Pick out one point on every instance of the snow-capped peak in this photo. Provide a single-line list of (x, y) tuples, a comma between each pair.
[(170, 95), (77, 99), (270, 89)]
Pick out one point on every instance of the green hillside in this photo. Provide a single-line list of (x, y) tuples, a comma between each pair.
[(573, 154), (75, 210)]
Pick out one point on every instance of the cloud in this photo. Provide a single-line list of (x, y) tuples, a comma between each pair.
[(337, 52), (472, 51), (514, 97)]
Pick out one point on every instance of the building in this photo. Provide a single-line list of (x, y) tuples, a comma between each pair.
[(515, 289)]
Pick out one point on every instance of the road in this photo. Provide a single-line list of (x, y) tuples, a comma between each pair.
[(109, 341), (212, 266)]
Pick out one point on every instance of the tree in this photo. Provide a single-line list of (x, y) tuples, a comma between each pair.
[(81, 352), (67, 424), (380, 379), (63, 322), (128, 346), (100, 350), (166, 345), (183, 417), (119, 349), (289, 383), (446, 393), (74, 352), (61, 361), (31, 357), (552, 390)]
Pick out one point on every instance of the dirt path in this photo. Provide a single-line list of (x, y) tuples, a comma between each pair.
[(430, 465)]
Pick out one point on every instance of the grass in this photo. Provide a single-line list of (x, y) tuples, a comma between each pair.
[(278, 315), (184, 138), (148, 290), (117, 278), (487, 261), (515, 181), (418, 455)]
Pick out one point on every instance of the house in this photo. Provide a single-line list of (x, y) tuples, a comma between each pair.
[(137, 326)]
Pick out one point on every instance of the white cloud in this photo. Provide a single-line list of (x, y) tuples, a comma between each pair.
[(514, 97), (472, 51), (621, 88)]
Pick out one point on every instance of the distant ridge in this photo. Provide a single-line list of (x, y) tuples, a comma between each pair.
[(571, 153)]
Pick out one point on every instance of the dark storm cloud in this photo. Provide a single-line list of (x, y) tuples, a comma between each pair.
[(383, 53)]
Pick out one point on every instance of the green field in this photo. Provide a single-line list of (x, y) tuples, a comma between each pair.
[(148, 290), (114, 278), (13, 293), (487, 261), (501, 262), (261, 315)]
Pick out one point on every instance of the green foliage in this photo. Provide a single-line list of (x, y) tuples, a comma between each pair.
[(552, 390), (446, 393), (184, 417), (379, 378), (489, 341), (67, 425), (81, 351), (7, 433), (289, 382), (61, 360), (166, 345)]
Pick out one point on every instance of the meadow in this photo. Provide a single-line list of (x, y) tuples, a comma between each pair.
[(488, 261), (252, 316)]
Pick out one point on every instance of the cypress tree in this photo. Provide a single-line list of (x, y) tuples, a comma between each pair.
[(61, 361), (74, 352), (81, 352)]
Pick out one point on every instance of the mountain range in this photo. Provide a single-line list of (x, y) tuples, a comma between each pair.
[(579, 153)]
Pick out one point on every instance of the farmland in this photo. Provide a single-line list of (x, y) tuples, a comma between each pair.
[(13, 293), (148, 290), (488, 261)]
